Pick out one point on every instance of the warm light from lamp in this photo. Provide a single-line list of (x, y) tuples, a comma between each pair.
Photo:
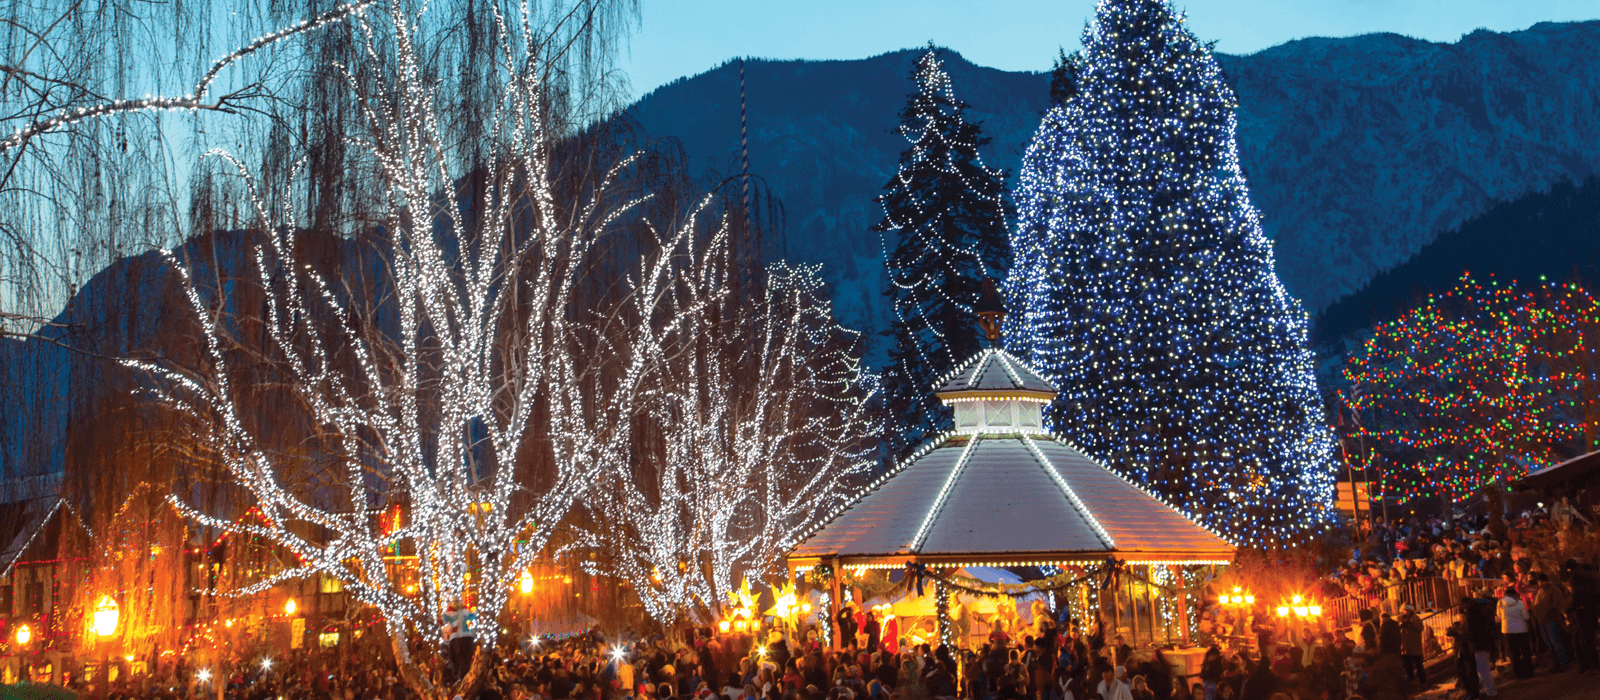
[(1300, 610), (739, 625), (105, 616), (1315, 610), (266, 663), (805, 608), (1295, 599), (527, 583), (723, 625), (204, 675), (1250, 600), (228, 624), (1283, 611), (23, 635), (289, 607)]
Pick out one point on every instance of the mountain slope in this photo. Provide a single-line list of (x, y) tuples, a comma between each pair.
[(1359, 151), (1554, 234)]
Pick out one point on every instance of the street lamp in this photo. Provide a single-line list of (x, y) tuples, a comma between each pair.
[(527, 583), (23, 635), (289, 607), (106, 615)]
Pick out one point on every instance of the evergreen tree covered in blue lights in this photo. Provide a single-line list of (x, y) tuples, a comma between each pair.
[(944, 214), (1144, 287)]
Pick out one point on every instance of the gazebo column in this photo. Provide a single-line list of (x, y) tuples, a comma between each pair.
[(835, 603), (941, 599), (1182, 601)]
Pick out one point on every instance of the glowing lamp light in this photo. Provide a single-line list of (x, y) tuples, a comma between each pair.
[(228, 624), (805, 608), (204, 675), (106, 616), (1316, 610), (1295, 599), (266, 663), (527, 583), (1300, 610), (24, 634), (289, 607), (1283, 611), (723, 625), (739, 625)]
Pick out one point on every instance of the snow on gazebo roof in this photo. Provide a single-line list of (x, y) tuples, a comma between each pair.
[(998, 489), (995, 370)]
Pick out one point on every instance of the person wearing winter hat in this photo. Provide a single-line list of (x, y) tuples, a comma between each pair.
[(1411, 650)]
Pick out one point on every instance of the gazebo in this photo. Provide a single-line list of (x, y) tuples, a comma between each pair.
[(999, 491)]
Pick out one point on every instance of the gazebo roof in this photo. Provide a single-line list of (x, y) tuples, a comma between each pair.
[(1020, 498), (995, 371)]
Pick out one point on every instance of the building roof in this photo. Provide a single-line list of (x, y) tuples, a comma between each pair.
[(35, 527), (997, 371), (1554, 475), (1025, 497)]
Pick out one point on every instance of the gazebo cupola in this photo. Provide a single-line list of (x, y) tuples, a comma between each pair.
[(994, 392)]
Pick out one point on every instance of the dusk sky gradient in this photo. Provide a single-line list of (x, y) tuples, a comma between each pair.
[(679, 38)]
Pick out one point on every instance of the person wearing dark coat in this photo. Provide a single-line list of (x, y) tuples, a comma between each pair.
[(873, 631), (1389, 637), (1483, 631), (1466, 666), (847, 627), (1262, 682)]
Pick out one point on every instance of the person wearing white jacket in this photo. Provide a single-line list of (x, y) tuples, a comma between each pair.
[(1515, 624)]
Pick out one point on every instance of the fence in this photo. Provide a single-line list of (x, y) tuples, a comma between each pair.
[(1437, 600)]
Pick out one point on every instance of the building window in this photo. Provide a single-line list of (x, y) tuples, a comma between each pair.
[(35, 600)]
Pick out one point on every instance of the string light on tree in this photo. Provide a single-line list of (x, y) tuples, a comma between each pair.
[(472, 357), (1143, 287), (1475, 386), (944, 214)]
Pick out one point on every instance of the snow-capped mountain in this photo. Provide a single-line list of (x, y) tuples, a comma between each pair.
[(1359, 151)]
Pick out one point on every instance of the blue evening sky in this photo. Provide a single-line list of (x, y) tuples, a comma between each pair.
[(685, 37)]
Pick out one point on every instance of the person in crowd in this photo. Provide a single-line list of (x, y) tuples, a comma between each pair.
[(1550, 615), (1411, 650), (1515, 625)]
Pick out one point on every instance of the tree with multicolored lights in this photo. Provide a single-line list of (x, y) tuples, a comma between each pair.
[(1144, 287), (1476, 386), (945, 210)]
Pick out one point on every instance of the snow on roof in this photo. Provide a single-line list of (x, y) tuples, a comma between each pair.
[(995, 370), (1011, 494)]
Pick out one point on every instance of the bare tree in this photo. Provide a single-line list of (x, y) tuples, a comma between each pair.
[(754, 439)]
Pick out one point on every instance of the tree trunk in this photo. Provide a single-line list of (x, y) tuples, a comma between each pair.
[(416, 678)]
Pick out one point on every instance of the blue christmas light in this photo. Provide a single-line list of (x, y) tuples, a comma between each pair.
[(1144, 288)]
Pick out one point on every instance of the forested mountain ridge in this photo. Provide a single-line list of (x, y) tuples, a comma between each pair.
[(1359, 150)]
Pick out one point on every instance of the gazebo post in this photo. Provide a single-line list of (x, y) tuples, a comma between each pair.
[(835, 604), (1182, 603), (941, 600)]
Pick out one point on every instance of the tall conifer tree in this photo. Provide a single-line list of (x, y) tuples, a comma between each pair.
[(944, 211), (1145, 288)]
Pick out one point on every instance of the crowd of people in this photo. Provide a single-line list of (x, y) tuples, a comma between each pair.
[(1510, 589)]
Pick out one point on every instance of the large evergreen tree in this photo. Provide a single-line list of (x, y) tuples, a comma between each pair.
[(1144, 287), (944, 210)]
